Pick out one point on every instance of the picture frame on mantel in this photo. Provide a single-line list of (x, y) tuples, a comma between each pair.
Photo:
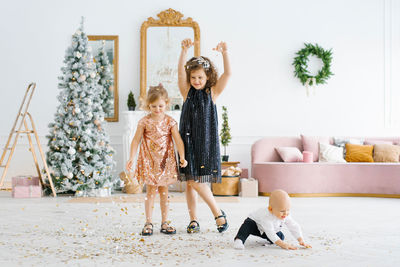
[(111, 46)]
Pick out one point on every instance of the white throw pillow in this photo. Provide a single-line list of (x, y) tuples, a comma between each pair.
[(330, 153)]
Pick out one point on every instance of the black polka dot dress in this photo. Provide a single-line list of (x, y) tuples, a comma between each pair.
[(199, 131)]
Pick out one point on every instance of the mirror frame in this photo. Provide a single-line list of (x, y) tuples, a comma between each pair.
[(167, 18), (115, 63)]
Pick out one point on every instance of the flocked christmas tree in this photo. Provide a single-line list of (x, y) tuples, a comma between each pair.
[(104, 70), (80, 155)]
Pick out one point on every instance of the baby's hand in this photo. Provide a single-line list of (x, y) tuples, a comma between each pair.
[(187, 43), (305, 245), (285, 245), (221, 47), (183, 163)]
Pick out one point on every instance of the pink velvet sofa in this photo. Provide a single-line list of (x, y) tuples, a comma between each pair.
[(320, 178)]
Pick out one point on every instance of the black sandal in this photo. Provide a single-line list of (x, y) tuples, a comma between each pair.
[(170, 230), (192, 228), (146, 231), (223, 227)]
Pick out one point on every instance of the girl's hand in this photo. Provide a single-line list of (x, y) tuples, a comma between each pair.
[(186, 44), (129, 164), (183, 163), (221, 47)]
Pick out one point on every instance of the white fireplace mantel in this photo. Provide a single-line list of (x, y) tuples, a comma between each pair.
[(130, 120)]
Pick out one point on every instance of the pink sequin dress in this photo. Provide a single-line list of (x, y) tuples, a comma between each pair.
[(156, 164)]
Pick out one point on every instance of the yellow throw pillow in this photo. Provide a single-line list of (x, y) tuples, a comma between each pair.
[(386, 153), (359, 153)]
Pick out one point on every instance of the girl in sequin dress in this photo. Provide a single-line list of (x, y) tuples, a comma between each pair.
[(200, 87), (156, 165)]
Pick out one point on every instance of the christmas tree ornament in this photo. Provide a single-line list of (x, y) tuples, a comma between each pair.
[(71, 151), (82, 78)]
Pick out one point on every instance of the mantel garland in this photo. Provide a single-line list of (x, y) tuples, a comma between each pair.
[(300, 65)]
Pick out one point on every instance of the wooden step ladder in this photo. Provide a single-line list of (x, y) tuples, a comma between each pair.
[(21, 127)]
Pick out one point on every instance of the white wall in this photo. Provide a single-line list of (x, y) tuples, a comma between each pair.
[(263, 97)]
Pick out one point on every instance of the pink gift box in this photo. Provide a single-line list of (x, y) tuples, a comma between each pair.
[(307, 156), (26, 191), (24, 181), (245, 173)]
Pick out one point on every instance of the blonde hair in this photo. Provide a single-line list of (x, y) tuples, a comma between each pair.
[(155, 93)]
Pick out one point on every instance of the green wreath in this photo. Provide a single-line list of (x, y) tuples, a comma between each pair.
[(300, 64)]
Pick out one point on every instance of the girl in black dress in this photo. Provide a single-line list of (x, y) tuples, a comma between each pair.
[(200, 87)]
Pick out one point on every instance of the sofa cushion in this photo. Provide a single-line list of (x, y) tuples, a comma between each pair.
[(330, 153), (341, 142), (310, 143), (376, 142), (386, 153), (359, 153), (289, 154)]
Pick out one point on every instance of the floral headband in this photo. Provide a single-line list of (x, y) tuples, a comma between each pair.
[(201, 61)]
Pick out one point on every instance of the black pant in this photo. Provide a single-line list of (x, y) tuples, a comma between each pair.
[(249, 227)]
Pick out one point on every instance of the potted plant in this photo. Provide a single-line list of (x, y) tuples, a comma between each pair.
[(225, 133), (131, 101)]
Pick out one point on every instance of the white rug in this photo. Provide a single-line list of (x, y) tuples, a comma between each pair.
[(55, 232)]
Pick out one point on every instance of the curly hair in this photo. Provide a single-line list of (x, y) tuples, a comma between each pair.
[(155, 93), (196, 63)]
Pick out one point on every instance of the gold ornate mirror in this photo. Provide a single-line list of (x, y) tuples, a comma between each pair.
[(111, 48), (160, 47)]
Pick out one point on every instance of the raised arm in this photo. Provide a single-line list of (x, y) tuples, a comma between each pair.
[(223, 80), (183, 83), (134, 145), (180, 146)]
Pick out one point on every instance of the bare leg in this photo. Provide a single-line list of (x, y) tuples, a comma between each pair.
[(205, 193), (191, 200), (164, 203), (149, 202)]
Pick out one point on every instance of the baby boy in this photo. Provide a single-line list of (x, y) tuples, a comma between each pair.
[(268, 223)]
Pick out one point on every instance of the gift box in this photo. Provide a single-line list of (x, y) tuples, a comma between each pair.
[(248, 187), (29, 191), (245, 173), (24, 180)]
